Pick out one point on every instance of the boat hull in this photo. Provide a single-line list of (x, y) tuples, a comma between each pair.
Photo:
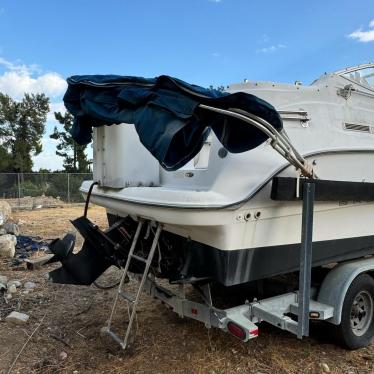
[(257, 239)]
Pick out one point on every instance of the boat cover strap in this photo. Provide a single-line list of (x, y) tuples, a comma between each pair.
[(166, 114)]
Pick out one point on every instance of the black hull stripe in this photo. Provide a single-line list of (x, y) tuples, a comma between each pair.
[(245, 265)]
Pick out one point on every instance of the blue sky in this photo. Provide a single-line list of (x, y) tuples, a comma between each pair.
[(201, 41)]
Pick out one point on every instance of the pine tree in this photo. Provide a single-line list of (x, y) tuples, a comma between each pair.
[(22, 125), (74, 155)]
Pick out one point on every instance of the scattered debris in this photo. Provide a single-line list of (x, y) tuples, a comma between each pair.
[(27, 245), (37, 202), (16, 282), (3, 279), (12, 244), (325, 368), (60, 339), (63, 356), (7, 246), (24, 346), (8, 305), (104, 331), (5, 212), (7, 241), (29, 286), (79, 333), (38, 262), (12, 288), (11, 228), (17, 318)]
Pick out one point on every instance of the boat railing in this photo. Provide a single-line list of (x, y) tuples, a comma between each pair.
[(279, 139)]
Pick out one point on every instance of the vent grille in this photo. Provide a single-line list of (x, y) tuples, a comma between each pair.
[(355, 127)]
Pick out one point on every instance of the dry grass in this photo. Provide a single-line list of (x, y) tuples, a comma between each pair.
[(164, 342)]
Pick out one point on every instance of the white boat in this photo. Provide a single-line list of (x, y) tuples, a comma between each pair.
[(210, 216), (218, 207)]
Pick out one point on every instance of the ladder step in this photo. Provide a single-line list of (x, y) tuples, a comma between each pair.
[(130, 297), (116, 338), (141, 259), (127, 296)]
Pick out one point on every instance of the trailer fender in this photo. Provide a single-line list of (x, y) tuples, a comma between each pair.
[(335, 286)]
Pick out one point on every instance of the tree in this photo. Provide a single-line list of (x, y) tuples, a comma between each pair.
[(218, 88), (22, 125), (5, 160), (75, 158)]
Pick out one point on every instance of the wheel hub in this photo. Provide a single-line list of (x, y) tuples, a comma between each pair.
[(361, 313)]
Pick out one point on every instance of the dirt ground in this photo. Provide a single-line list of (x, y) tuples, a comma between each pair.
[(68, 339)]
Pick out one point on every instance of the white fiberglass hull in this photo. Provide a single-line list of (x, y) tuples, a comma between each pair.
[(259, 221)]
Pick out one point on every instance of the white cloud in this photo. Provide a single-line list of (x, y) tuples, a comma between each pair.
[(264, 38), (216, 54), (271, 48), (215, 1), (48, 160), (364, 35), (55, 107), (46, 141), (20, 78)]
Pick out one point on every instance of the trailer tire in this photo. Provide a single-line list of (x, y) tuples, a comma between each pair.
[(356, 329)]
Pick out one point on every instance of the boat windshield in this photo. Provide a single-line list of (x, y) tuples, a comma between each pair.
[(363, 76)]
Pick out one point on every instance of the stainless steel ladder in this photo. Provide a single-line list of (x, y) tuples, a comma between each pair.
[(132, 300)]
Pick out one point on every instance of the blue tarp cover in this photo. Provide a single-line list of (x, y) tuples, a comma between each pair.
[(165, 113)]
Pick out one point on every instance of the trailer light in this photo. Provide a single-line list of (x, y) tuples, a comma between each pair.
[(254, 332), (236, 330), (194, 311), (314, 315)]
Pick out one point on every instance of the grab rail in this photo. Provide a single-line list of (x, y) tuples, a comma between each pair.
[(279, 140)]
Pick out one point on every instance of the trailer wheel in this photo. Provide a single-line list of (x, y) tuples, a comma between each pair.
[(356, 329)]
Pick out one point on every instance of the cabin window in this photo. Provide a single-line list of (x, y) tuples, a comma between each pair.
[(364, 77)]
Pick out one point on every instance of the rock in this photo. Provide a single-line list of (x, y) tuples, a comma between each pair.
[(63, 356), (11, 228), (12, 288), (29, 286), (2, 287), (5, 211), (325, 368), (16, 282), (8, 296), (3, 279), (7, 246), (2, 232), (104, 331), (17, 318)]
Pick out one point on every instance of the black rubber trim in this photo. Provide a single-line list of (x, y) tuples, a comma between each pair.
[(284, 189)]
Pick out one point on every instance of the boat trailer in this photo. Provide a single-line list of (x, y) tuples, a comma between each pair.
[(291, 311)]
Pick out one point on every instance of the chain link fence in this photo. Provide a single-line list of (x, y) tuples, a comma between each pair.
[(39, 190)]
